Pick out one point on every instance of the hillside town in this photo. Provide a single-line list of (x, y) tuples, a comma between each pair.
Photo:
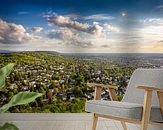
[(63, 78)]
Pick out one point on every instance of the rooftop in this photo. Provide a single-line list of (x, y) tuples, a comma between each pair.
[(57, 121)]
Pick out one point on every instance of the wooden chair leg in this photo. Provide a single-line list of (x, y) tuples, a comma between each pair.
[(124, 125), (160, 98), (94, 123), (146, 110), (96, 97)]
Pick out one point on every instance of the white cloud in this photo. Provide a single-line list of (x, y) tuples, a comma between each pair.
[(70, 34), (72, 16), (36, 29), (105, 46), (60, 34), (160, 7), (11, 33), (80, 43), (111, 28), (98, 17), (152, 30), (96, 29), (62, 21), (153, 21), (67, 22), (69, 38), (23, 13), (83, 35), (142, 38), (151, 34), (95, 23)]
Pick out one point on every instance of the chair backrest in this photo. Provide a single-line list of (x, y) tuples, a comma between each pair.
[(143, 77)]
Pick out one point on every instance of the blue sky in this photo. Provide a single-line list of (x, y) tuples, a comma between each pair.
[(110, 26)]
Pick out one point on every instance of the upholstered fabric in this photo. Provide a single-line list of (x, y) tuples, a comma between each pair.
[(125, 110), (143, 77)]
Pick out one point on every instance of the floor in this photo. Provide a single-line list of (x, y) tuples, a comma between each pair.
[(58, 121)]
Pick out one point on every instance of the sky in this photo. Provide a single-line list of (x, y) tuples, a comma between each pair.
[(82, 26)]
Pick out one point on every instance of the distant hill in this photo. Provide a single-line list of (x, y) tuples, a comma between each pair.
[(5, 51), (49, 52)]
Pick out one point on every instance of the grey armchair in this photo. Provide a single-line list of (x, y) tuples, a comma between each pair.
[(142, 103)]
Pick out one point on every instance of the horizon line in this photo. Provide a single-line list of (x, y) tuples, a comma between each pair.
[(10, 51)]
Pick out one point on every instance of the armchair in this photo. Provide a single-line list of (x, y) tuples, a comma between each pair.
[(137, 106)]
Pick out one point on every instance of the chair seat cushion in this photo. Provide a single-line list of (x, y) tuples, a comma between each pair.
[(131, 111)]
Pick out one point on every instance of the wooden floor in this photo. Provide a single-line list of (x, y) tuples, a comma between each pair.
[(60, 121)]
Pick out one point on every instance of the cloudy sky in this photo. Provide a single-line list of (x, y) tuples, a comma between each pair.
[(96, 26)]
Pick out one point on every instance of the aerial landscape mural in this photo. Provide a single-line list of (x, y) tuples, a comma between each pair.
[(57, 46)]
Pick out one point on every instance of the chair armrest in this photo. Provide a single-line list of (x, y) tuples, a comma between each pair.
[(148, 88), (159, 93), (101, 85), (148, 101), (98, 89)]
